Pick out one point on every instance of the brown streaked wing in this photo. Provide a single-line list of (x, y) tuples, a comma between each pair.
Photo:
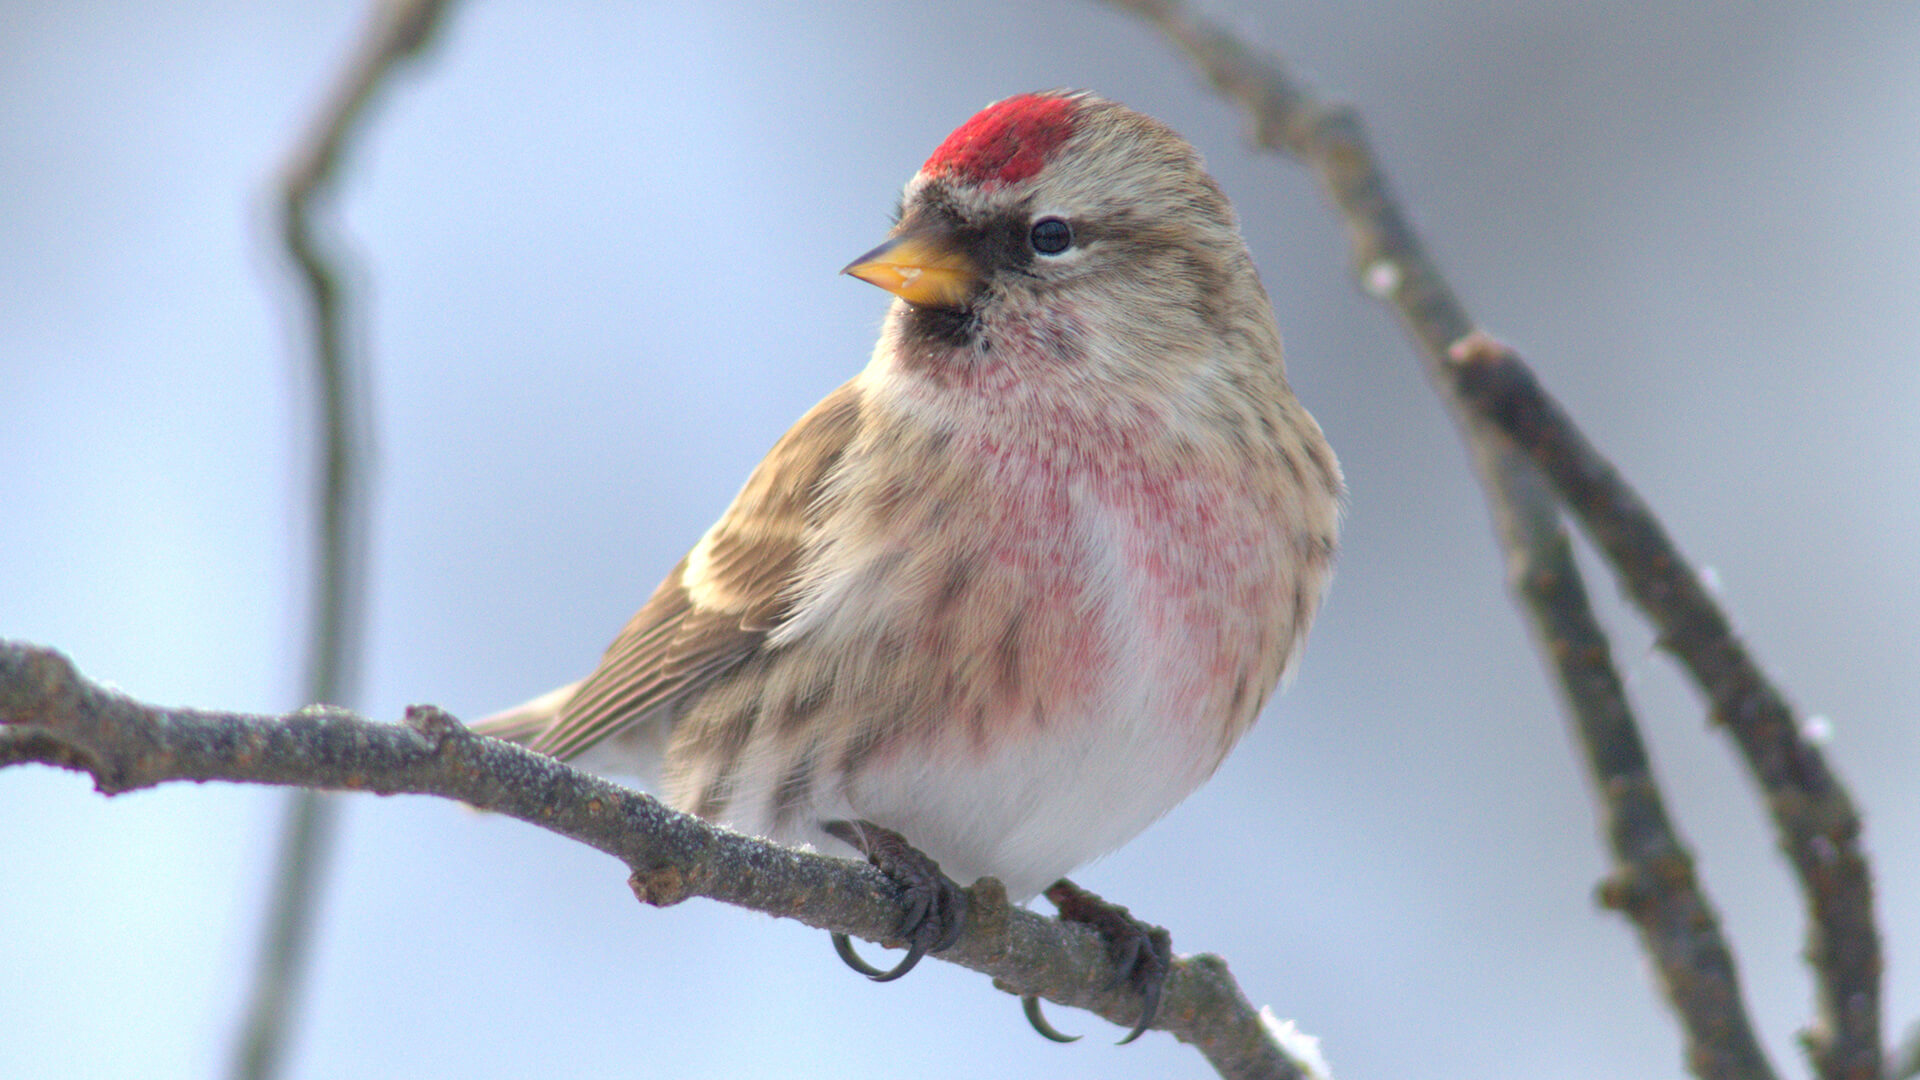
[(677, 645)]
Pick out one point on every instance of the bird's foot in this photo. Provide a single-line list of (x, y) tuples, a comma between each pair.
[(936, 906), (1142, 954)]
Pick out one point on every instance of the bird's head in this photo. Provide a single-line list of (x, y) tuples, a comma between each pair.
[(1068, 223)]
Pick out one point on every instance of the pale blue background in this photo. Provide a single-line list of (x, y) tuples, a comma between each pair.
[(599, 244)]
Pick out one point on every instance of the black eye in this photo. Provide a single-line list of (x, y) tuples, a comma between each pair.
[(1050, 236)]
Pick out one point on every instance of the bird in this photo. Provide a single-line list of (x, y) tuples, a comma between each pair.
[(1005, 597)]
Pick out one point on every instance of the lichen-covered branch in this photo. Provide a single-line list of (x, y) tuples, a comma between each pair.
[(50, 715)]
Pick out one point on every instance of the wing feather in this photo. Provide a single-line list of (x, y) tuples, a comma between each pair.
[(720, 604)]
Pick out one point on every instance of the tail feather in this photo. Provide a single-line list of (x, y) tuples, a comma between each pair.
[(527, 722), (638, 753)]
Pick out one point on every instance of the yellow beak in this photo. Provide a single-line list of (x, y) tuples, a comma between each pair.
[(925, 267)]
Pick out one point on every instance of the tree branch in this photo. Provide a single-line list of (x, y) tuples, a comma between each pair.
[(398, 29), (1819, 828), (51, 715), (1904, 1062), (1653, 882)]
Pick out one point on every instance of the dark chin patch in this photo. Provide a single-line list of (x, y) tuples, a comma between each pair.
[(931, 329)]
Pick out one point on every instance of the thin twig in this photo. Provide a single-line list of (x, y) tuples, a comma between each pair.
[(49, 714), (396, 31), (305, 838), (1817, 824), (1653, 880)]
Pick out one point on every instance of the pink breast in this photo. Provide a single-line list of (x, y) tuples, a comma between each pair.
[(1134, 569)]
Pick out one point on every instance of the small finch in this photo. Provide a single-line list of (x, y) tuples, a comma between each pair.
[(1006, 597)]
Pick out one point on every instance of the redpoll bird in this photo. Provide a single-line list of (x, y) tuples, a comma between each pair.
[(1017, 588)]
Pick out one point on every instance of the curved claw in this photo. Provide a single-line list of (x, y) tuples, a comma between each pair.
[(1152, 994), (1142, 954), (843, 946), (1030, 1005), (914, 953), (1147, 964), (935, 906)]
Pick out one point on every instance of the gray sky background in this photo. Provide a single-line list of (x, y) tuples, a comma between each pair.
[(598, 244)]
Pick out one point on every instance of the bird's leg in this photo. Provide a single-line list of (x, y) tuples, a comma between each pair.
[(936, 906), (1142, 953)]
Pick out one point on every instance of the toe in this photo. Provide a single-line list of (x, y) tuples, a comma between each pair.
[(933, 905), (1141, 953)]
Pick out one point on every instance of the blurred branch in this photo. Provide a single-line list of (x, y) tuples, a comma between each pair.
[(1655, 883), (1905, 1062), (50, 715), (397, 30), (305, 838), (1818, 825)]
